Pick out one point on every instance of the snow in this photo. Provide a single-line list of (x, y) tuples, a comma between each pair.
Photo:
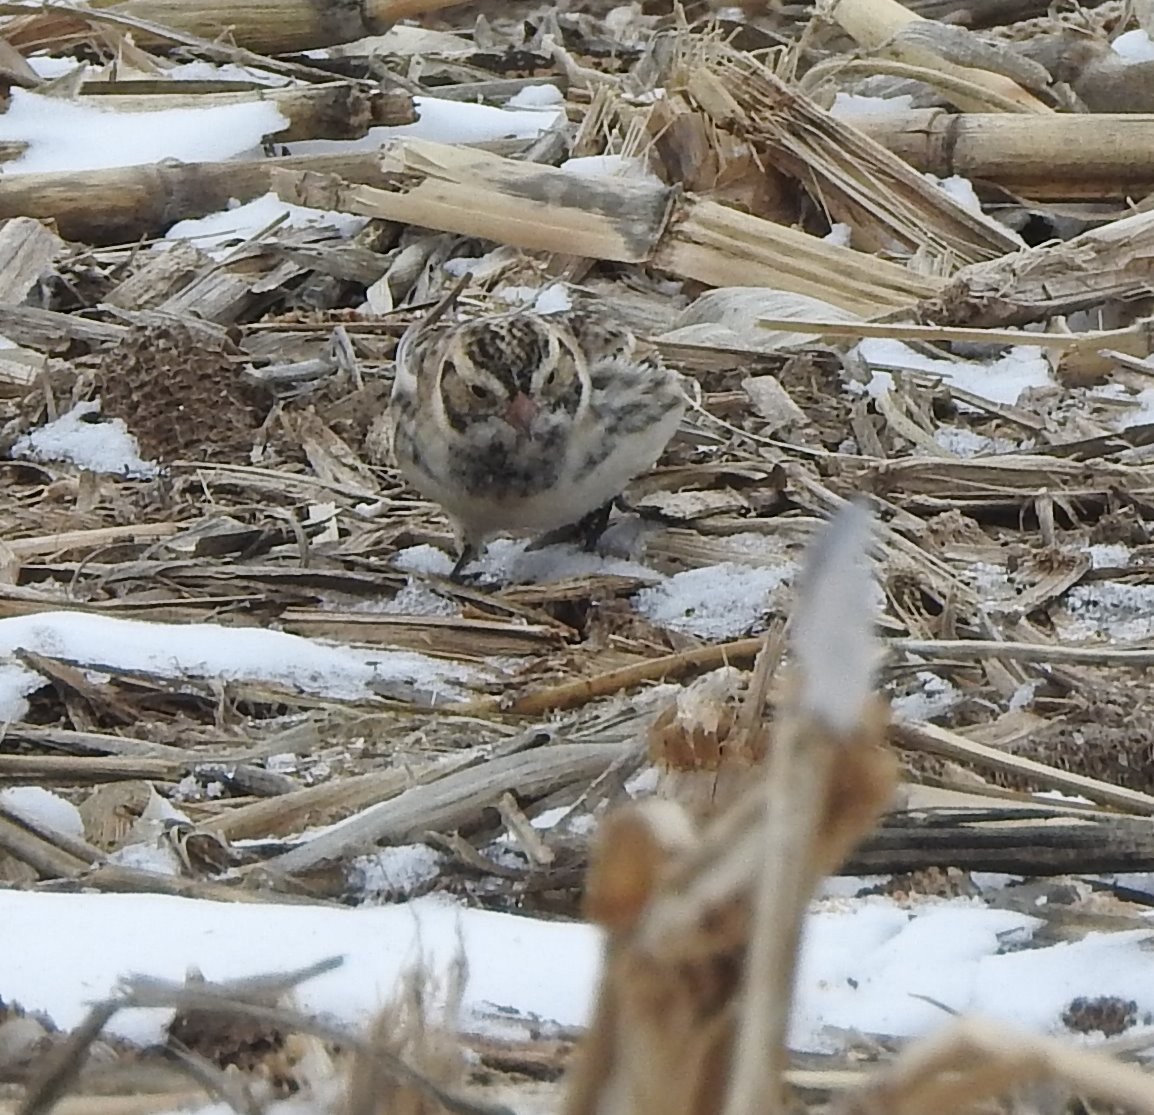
[(60, 133), (489, 263), (1107, 610), (552, 299), (935, 697), (563, 816), (217, 232), (1000, 381), (1140, 411), (536, 96), (611, 166), (395, 871), (867, 965), (960, 189), (461, 122), (415, 599), (205, 650), (848, 105), (98, 446), (161, 859), (862, 968), (509, 560), (446, 121), (1023, 696), (965, 443), (200, 70), (1134, 46), (51, 68), (840, 234), (1108, 555), (15, 684), (715, 602), (39, 806), (63, 952)]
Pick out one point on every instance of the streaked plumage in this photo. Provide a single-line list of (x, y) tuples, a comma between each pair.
[(523, 423)]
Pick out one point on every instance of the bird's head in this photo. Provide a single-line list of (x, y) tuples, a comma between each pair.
[(513, 369)]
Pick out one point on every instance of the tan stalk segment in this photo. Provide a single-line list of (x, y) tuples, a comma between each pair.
[(123, 204), (335, 110), (1062, 157), (474, 193), (702, 925), (265, 26)]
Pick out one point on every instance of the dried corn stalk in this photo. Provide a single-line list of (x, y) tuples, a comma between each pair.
[(889, 204), (710, 739), (1114, 261), (540, 208), (994, 72), (267, 26), (1061, 157), (703, 927)]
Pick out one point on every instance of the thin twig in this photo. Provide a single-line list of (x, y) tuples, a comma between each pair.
[(1024, 652)]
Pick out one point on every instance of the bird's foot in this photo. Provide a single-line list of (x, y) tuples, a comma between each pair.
[(467, 556), (587, 531)]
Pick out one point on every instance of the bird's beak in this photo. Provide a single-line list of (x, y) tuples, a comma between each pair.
[(520, 412)]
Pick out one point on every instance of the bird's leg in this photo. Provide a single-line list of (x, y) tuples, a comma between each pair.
[(468, 555), (590, 527), (586, 530)]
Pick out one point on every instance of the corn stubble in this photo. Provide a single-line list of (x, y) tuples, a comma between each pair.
[(703, 920)]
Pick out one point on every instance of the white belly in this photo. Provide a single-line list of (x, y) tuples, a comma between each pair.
[(574, 495)]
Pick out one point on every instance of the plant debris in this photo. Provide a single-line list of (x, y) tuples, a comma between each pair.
[(900, 254)]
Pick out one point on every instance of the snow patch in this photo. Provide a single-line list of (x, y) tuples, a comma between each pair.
[(936, 696), (39, 806), (611, 166), (1105, 609), (105, 447), (536, 96), (63, 136), (1108, 555), (205, 650), (415, 599), (510, 561), (393, 873), (840, 234), (1134, 46), (965, 443), (716, 602), (960, 189), (218, 232), (228, 71), (1000, 381), (446, 121), (848, 105)]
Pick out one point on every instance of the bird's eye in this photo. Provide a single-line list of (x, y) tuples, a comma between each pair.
[(479, 392)]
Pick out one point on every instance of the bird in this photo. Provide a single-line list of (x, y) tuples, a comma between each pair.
[(526, 423)]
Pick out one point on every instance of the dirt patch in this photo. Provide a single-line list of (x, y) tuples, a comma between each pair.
[(181, 394), (1100, 740)]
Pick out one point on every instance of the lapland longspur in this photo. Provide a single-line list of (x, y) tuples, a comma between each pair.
[(524, 423)]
